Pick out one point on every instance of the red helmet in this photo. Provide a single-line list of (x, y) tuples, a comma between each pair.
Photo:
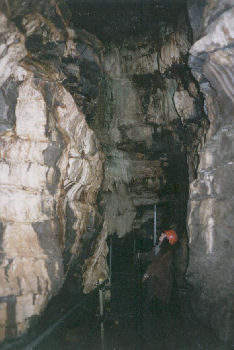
[(171, 236)]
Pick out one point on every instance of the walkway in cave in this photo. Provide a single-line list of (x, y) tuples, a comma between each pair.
[(129, 325)]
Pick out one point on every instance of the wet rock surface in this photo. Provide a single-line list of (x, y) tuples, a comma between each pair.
[(51, 164), (150, 124), (69, 105), (94, 133), (210, 218)]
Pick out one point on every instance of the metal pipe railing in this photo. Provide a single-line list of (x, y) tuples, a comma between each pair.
[(155, 224)]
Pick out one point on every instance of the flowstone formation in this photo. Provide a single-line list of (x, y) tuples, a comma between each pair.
[(211, 206), (51, 163), (94, 133), (150, 122), (91, 138)]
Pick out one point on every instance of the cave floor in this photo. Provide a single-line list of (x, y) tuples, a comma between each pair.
[(129, 325)]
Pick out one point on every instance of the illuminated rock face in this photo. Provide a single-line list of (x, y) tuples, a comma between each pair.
[(31, 264), (12, 48), (52, 168), (211, 206), (50, 164), (50, 174)]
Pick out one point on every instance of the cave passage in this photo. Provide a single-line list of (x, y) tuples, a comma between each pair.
[(128, 324), (108, 109)]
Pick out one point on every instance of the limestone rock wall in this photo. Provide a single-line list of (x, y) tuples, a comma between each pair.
[(150, 123), (93, 135), (129, 138), (51, 164), (210, 213)]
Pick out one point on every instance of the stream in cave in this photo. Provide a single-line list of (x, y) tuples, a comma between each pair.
[(128, 323)]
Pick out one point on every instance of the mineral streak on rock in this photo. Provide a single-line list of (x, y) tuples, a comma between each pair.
[(210, 214), (12, 47), (93, 134), (50, 159), (25, 201)]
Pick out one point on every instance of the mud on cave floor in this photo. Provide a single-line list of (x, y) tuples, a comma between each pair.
[(128, 325)]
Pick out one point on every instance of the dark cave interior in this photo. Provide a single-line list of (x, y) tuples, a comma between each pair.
[(161, 155), (116, 20), (128, 322)]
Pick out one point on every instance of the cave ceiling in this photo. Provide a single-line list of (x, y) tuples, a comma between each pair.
[(118, 19)]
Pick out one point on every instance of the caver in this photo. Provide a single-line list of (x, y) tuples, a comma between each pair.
[(159, 276)]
